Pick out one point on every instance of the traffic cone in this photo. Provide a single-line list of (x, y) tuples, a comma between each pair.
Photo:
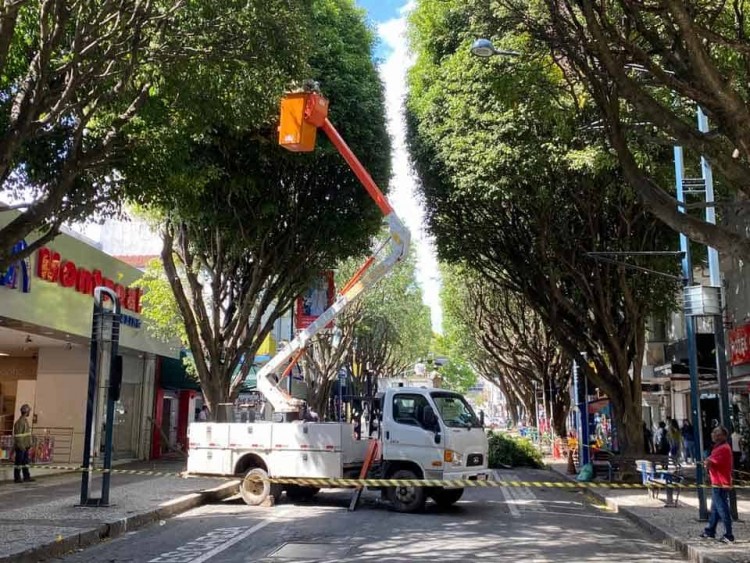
[(571, 463), (556, 448)]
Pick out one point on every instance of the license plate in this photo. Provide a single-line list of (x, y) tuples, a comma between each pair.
[(482, 477)]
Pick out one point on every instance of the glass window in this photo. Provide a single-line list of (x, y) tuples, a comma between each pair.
[(454, 410), (408, 409)]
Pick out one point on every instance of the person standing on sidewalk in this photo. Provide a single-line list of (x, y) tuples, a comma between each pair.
[(688, 441), (21, 444), (719, 465)]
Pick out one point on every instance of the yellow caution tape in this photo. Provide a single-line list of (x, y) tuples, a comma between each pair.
[(358, 483)]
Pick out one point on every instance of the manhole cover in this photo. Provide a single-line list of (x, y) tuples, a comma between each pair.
[(311, 551)]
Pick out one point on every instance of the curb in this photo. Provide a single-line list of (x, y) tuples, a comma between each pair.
[(110, 530), (690, 551)]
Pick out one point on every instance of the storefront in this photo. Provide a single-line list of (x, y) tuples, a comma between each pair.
[(45, 325)]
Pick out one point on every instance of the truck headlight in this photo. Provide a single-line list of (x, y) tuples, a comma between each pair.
[(453, 457)]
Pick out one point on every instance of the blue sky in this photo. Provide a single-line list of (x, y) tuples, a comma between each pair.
[(380, 11)]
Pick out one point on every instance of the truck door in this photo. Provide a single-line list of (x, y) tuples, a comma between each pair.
[(404, 436)]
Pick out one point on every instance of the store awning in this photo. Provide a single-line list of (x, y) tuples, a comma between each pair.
[(173, 375)]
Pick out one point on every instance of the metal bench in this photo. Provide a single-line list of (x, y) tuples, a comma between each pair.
[(667, 478)]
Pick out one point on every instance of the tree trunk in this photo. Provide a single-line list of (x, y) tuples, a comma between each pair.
[(627, 415), (216, 396), (560, 407)]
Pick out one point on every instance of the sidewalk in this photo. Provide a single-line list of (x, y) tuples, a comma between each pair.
[(678, 527), (40, 520)]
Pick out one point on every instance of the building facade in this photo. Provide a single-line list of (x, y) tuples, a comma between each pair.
[(46, 308)]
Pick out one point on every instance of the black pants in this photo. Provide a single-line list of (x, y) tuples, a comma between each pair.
[(21, 464)]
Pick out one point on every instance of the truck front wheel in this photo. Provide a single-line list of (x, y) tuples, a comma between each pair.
[(255, 488), (446, 497), (406, 498)]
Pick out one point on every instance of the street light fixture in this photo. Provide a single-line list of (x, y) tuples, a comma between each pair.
[(484, 48)]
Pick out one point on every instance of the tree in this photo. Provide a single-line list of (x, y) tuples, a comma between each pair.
[(508, 342), (456, 343), (77, 76), (246, 225), (393, 330), (641, 62), (526, 355), (515, 191)]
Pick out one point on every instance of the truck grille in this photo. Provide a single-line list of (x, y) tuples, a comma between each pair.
[(474, 459)]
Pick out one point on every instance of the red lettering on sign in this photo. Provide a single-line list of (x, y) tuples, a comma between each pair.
[(120, 292), (85, 283), (68, 274), (51, 268), (739, 345), (48, 265)]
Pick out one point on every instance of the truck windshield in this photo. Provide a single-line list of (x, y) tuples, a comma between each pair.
[(455, 411)]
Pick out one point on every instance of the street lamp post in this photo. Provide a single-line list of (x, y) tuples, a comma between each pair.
[(484, 48)]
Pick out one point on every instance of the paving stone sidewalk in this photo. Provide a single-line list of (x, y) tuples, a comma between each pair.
[(678, 527), (40, 520)]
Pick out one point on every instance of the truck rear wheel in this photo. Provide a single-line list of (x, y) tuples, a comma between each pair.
[(446, 497), (406, 498), (298, 492), (255, 488)]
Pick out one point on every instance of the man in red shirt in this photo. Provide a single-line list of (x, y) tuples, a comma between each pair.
[(719, 465)]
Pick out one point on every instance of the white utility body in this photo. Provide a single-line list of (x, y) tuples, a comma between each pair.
[(422, 434)]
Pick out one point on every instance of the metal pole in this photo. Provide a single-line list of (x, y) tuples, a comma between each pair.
[(90, 405), (110, 422), (718, 320), (687, 273)]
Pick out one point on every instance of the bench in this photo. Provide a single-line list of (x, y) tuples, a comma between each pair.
[(668, 477)]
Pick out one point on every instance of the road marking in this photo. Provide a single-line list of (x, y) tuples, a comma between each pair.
[(218, 540), (510, 499)]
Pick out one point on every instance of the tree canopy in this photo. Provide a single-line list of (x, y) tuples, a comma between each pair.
[(518, 190), (647, 66), (77, 77), (246, 225)]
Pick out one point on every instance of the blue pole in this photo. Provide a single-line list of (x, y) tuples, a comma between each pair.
[(687, 274), (715, 274), (579, 382)]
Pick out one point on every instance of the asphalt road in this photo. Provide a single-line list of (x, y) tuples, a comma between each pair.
[(506, 524)]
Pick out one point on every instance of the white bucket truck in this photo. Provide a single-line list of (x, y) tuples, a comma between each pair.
[(421, 433)]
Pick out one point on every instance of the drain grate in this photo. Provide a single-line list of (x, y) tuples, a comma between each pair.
[(309, 551)]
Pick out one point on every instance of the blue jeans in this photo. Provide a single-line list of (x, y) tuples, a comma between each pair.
[(719, 511), (688, 450)]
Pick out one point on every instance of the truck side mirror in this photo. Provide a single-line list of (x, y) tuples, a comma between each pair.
[(481, 418), (429, 420)]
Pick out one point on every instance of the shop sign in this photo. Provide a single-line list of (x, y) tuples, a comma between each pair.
[(739, 345), (51, 267), (18, 273), (315, 300)]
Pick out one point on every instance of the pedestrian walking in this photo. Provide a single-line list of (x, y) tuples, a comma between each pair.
[(648, 439), (688, 441), (661, 439), (675, 439), (21, 445), (736, 440), (719, 465)]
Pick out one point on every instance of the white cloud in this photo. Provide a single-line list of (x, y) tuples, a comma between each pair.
[(403, 192)]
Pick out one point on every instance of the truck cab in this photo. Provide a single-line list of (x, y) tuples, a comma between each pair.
[(430, 434)]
